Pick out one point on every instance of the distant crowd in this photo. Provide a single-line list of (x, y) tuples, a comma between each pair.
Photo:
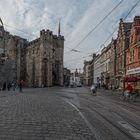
[(12, 85)]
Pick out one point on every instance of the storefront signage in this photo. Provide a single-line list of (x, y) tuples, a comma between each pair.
[(133, 71)]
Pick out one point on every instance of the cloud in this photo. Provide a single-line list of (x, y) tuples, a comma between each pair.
[(78, 17)]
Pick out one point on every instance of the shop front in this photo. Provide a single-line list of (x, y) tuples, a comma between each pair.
[(133, 77)]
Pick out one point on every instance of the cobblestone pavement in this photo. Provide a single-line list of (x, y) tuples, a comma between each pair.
[(36, 114)]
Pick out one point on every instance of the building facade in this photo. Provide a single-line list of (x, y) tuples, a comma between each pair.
[(97, 70), (105, 66), (133, 52), (13, 49), (121, 46), (86, 73), (113, 64), (66, 78), (45, 60), (39, 62), (91, 70)]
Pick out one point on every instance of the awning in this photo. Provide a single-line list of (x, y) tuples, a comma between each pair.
[(133, 71), (132, 79)]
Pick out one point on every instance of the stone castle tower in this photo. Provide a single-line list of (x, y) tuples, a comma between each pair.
[(39, 62)]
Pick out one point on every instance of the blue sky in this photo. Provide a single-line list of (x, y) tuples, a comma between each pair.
[(78, 17)]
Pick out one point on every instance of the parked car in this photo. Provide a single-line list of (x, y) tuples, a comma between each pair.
[(79, 85)]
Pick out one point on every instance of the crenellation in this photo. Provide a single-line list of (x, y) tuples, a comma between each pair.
[(55, 36)]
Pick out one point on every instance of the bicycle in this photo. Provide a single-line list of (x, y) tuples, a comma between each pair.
[(128, 96)]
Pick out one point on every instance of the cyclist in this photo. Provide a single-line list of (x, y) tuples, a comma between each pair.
[(129, 88)]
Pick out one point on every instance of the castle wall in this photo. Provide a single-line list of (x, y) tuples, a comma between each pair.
[(39, 62)]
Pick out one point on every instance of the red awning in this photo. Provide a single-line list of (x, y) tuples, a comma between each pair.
[(131, 79)]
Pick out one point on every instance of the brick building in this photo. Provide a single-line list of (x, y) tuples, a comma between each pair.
[(121, 46), (133, 52)]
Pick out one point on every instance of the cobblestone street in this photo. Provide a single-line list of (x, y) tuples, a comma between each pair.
[(37, 115), (67, 114)]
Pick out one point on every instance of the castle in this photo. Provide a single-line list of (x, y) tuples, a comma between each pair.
[(39, 62)]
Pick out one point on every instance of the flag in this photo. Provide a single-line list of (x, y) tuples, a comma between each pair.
[(59, 29), (1, 22)]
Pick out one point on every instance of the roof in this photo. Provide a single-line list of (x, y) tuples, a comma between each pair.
[(127, 26)]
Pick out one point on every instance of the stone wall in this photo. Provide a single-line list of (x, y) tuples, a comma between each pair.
[(39, 62)]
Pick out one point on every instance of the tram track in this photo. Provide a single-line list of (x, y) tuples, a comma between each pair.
[(101, 104), (96, 109), (126, 104)]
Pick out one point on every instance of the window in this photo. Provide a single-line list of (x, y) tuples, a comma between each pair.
[(133, 56), (138, 30), (130, 56), (138, 52), (131, 39)]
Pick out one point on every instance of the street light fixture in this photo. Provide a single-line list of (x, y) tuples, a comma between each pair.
[(74, 50)]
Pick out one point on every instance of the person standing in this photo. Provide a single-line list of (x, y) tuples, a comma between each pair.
[(4, 86), (13, 85)]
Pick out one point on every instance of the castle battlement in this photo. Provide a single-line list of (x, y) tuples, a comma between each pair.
[(47, 32), (36, 41)]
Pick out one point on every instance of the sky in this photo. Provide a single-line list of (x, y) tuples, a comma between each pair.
[(77, 18)]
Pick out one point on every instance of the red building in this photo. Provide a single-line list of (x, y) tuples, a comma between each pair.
[(133, 54)]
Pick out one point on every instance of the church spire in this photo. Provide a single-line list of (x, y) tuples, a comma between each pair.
[(59, 29)]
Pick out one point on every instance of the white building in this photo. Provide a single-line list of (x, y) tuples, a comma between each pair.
[(105, 65), (75, 80), (97, 69)]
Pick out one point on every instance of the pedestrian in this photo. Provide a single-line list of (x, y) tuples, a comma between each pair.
[(20, 85), (9, 86), (129, 88), (13, 85), (93, 89), (4, 86)]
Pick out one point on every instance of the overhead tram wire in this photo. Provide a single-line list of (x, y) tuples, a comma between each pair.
[(92, 30), (77, 58), (117, 27), (28, 34), (134, 6), (89, 55)]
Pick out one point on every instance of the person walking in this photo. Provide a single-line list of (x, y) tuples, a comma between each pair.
[(20, 85), (9, 86)]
